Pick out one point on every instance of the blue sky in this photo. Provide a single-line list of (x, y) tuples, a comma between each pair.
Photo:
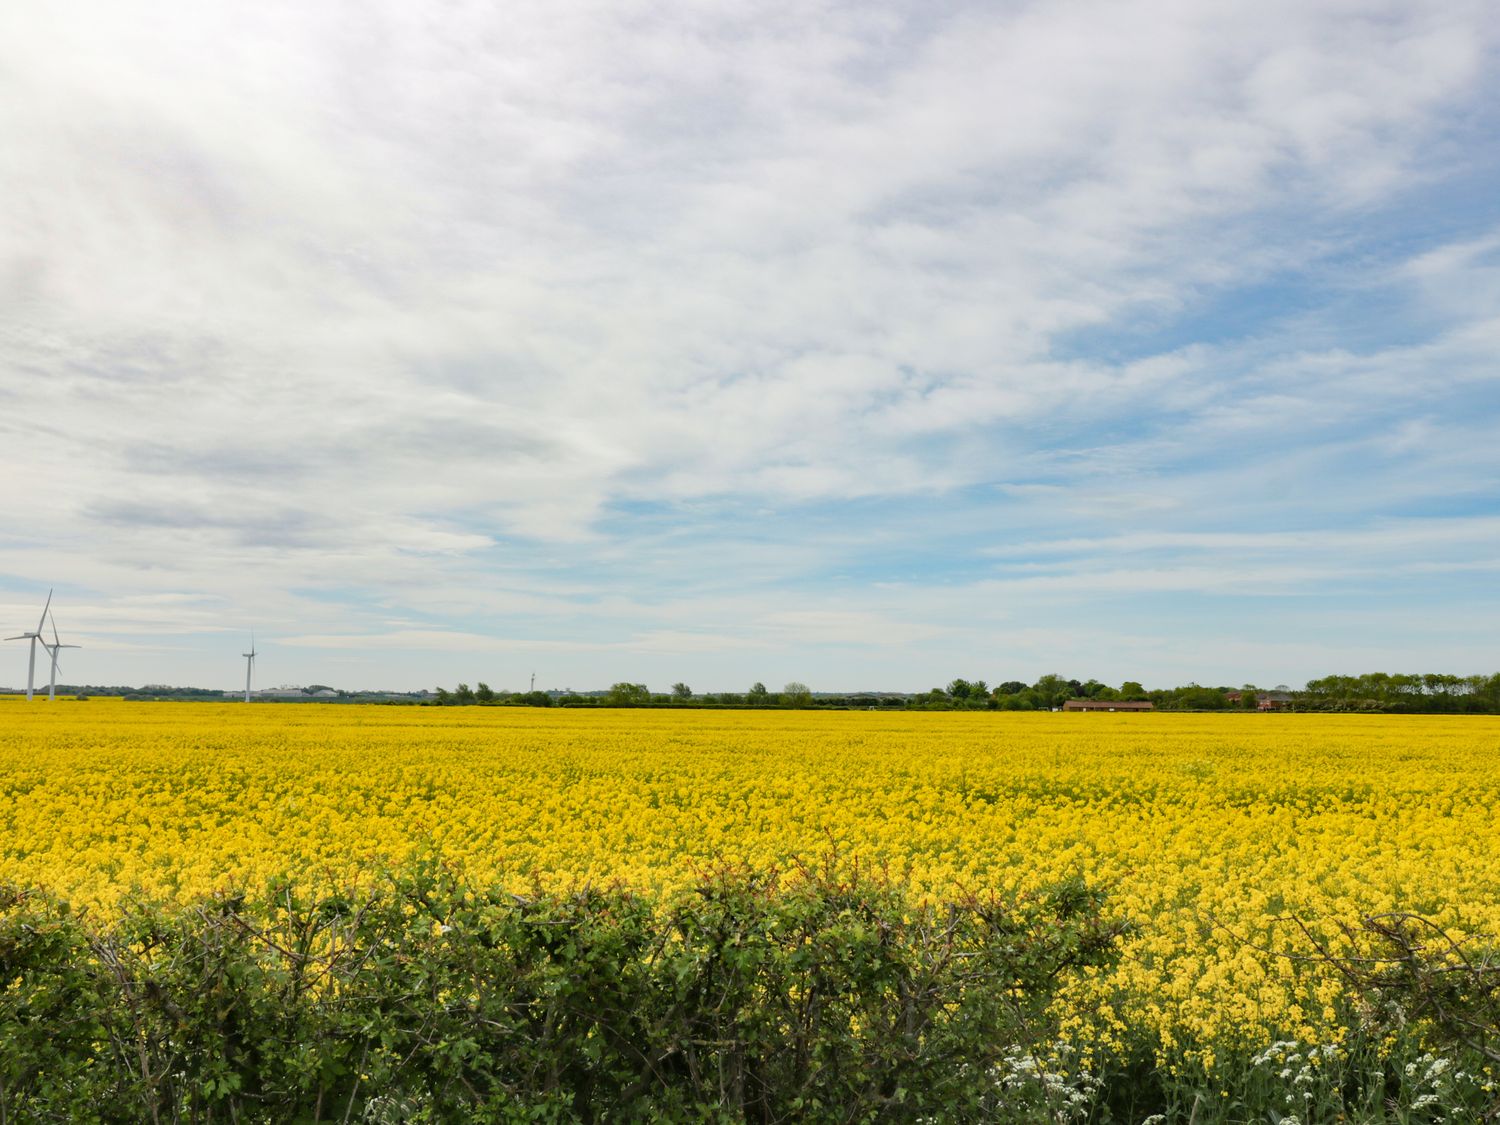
[(866, 345)]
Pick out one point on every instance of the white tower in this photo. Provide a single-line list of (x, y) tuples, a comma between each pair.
[(34, 637), (54, 648), (249, 666)]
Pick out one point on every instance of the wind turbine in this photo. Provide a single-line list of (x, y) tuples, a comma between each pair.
[(33, 637), (249, 666), (53, 649)]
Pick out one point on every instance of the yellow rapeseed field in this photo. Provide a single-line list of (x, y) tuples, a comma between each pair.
[(1205, 828)]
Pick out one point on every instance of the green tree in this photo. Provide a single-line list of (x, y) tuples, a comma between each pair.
[(1052, 691), (463, 694), (680, 690), (1130, 690), (758, 693), (969, 693), (1195, 698), (483, 693), (627, 695), (935, 700), (796, 694), (1405, 688)]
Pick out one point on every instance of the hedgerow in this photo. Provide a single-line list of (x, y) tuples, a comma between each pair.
[(815, 994)]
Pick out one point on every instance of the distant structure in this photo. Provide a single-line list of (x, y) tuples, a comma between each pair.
[(1106, 705), (54, 648), (1264, 700), (249, 666), (34, 637)]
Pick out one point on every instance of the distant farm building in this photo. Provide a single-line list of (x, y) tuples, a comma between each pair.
[(1264, 700), (1105, 705)]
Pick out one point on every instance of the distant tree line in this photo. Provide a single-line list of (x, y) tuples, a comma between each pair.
[(1396, 692), (1376, 691), (1373, 692), (1379, 692), (626, 694)]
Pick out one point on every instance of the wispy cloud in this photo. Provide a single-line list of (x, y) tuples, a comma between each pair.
[(748, 337)]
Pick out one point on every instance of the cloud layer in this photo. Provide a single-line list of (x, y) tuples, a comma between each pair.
[(863, 344)]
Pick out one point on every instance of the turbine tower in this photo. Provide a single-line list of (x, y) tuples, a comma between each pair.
[(33, 637), (53, 649), (249, 666)]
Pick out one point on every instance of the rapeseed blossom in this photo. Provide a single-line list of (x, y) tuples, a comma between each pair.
[(1209, 830)]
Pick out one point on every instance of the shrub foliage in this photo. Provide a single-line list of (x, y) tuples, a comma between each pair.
[(815, 994)]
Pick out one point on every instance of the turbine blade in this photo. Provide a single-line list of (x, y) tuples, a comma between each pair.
[(43, 619), (21, 637), (55, 639)]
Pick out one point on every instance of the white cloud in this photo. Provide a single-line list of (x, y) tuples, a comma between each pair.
[(404, 313)]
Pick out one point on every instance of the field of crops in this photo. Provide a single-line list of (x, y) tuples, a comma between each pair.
[(1205, 828)]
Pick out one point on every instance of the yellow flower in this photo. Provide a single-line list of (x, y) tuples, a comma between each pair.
[(1211, 831)]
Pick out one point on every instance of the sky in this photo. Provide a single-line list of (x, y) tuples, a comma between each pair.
[(866, 345)]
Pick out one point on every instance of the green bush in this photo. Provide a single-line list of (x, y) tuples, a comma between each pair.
[(817, 995)]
